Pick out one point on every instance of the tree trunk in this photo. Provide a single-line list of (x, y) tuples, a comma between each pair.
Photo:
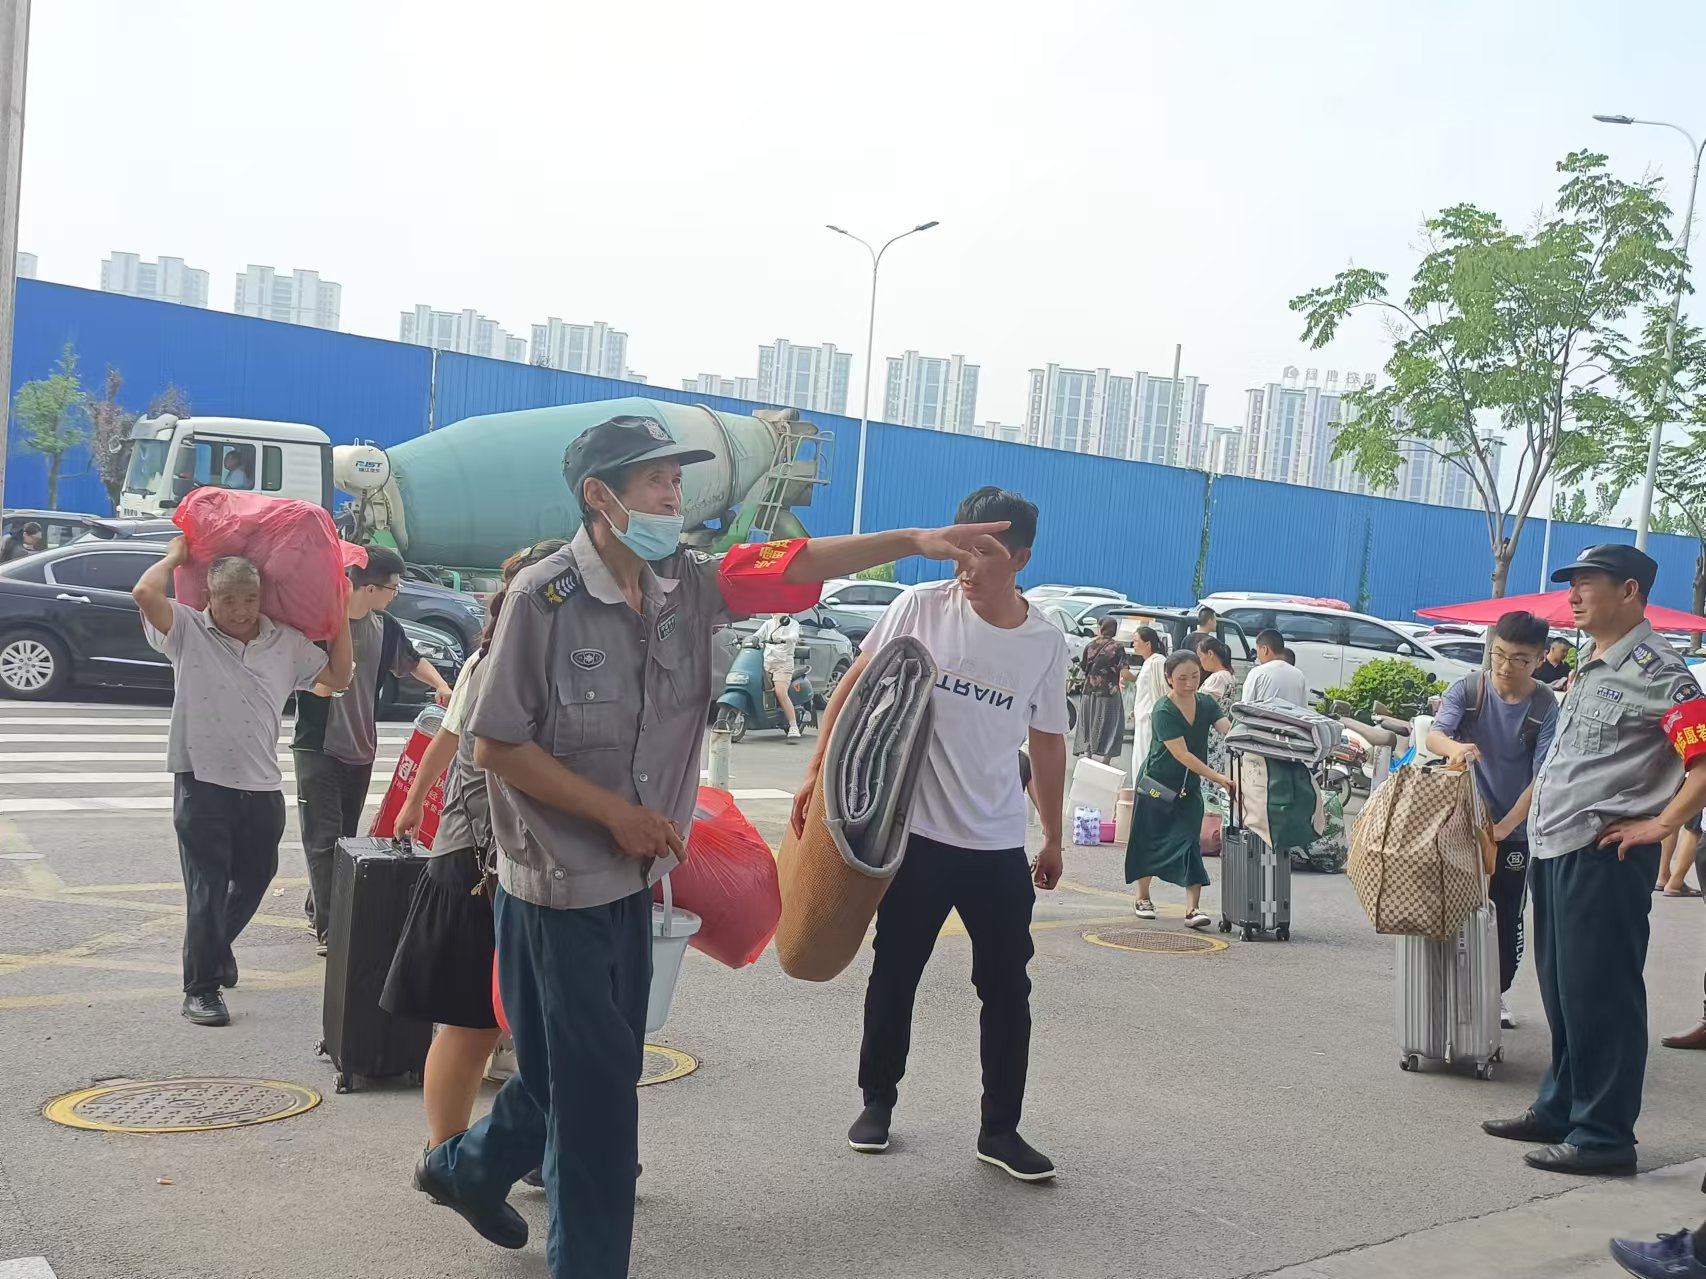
[(1502, 569), (53, 481)]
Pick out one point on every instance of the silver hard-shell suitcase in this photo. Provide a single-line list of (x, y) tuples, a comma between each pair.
[(1255, 883), (1448, 997)]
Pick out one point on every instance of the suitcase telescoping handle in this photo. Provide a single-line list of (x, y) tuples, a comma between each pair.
[(404, 845)]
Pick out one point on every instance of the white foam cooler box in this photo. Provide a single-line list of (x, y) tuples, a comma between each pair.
[(1097, 785), (672, 929)]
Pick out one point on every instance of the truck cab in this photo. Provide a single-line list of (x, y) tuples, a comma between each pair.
[(170, 457)]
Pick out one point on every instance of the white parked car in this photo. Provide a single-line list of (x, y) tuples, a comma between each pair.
[(1051, 591), (857, 595), (1331, 643)]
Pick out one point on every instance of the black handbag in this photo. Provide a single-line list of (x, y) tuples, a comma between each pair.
[(1149, 791)]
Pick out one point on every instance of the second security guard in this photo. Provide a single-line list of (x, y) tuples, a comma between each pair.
[(1622, 774)]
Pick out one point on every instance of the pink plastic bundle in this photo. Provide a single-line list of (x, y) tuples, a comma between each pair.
[(729, 880), (292, 543)]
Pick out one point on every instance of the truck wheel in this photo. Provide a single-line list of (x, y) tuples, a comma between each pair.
[(732, 720), (33, 665)]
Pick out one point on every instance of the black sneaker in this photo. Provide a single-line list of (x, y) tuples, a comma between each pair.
[(1012, 1154), (228, 976), (207, 1009), (869, 1134), (497, 1223)]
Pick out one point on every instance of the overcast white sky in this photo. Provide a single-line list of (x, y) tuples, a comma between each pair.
[(1111, 178)]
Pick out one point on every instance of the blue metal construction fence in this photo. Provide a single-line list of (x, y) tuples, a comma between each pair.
[(1147, 530)]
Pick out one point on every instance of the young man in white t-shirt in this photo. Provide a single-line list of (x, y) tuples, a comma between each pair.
[(1275, 678), (1002, 682)]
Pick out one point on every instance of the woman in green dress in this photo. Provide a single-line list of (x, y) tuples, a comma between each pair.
[(1166, 838)]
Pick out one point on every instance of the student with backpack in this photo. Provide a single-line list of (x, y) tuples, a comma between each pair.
[(1502, 724)]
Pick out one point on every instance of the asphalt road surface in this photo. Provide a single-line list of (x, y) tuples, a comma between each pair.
[(1230, 1113)]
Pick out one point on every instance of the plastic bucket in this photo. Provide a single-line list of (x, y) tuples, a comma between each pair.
[(671, 929)]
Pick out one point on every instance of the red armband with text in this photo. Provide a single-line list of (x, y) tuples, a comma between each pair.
[(751, 579), (1685, 725)]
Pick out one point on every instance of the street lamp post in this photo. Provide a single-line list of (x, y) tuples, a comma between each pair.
[(870, 357), (1647, 484)]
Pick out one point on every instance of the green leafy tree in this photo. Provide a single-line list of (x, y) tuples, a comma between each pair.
[(1501, 331), (52, 414), (1575, 507), (1641, 393)]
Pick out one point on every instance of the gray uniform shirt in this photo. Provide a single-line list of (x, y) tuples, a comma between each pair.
[(619, 697), (1610, 758), (229, 696)]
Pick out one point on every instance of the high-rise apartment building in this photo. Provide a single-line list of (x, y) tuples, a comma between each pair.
[(168, 280), (593, 348), (931, 392), (27, 265), (806, 377), (300, 297), (735, 388), (1224, 451), (465, 331), (1292, 426), (1167, 432), (1080, 410)]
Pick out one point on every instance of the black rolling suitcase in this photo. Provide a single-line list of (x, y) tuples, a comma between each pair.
[(373, 881)]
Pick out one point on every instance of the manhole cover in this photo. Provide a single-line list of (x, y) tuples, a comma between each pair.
[(180, 1105), (1155, 941), (664, 1064)]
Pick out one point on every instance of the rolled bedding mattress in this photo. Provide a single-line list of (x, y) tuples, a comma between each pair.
[(834, 875)]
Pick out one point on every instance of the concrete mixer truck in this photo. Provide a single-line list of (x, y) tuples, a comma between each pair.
[(457, 501), (461, 499)]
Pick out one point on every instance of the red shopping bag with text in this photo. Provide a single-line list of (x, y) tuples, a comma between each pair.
[(403, 776)]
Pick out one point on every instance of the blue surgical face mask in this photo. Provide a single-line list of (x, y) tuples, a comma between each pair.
[(651, 537)]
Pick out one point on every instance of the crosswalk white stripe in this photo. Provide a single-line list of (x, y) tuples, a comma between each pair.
[(122, 739), (395, 732), (163, 803), (84, 779), (153, 759)]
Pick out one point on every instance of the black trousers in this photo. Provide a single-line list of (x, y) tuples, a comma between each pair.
[(330, 795), (1509, 891), (994, 895), (1590, 947), (228, 847)]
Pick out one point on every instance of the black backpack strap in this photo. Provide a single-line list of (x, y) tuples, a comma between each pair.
[(1533, 717)]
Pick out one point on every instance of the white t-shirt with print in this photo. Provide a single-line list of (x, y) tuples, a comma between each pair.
[(993, 686)]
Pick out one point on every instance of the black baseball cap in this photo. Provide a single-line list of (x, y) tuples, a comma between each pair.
[(1624, 563), (623, 441)]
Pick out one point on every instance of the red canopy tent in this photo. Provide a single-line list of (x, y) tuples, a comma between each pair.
[(1554, 608)]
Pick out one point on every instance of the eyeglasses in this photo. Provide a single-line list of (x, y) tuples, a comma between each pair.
[(1518, 661)]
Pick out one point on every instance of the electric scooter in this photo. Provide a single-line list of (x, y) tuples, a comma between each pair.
[(749, 695)]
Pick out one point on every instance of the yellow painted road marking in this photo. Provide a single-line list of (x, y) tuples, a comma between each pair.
[(313, 975)]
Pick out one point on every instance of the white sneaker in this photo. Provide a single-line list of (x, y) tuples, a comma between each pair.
[(794, 733), (1145, 909), (1197, 919), (1506, 1018)]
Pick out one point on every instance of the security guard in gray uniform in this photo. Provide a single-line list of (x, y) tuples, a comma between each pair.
[(590, 725), (1621, 775)]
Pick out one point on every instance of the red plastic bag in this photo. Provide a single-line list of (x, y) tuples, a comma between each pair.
[(292, 543), (729, 881), (498, 999)]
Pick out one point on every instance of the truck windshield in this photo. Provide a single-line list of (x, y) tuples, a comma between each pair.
[(147, 464)]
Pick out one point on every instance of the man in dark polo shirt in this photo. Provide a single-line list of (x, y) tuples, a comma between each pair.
[(590, 726)]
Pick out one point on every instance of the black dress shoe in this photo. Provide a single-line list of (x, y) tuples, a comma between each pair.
[(207, 1010), (496, 1222), (1599, 1161), (1525, 1127), (228, 976)]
